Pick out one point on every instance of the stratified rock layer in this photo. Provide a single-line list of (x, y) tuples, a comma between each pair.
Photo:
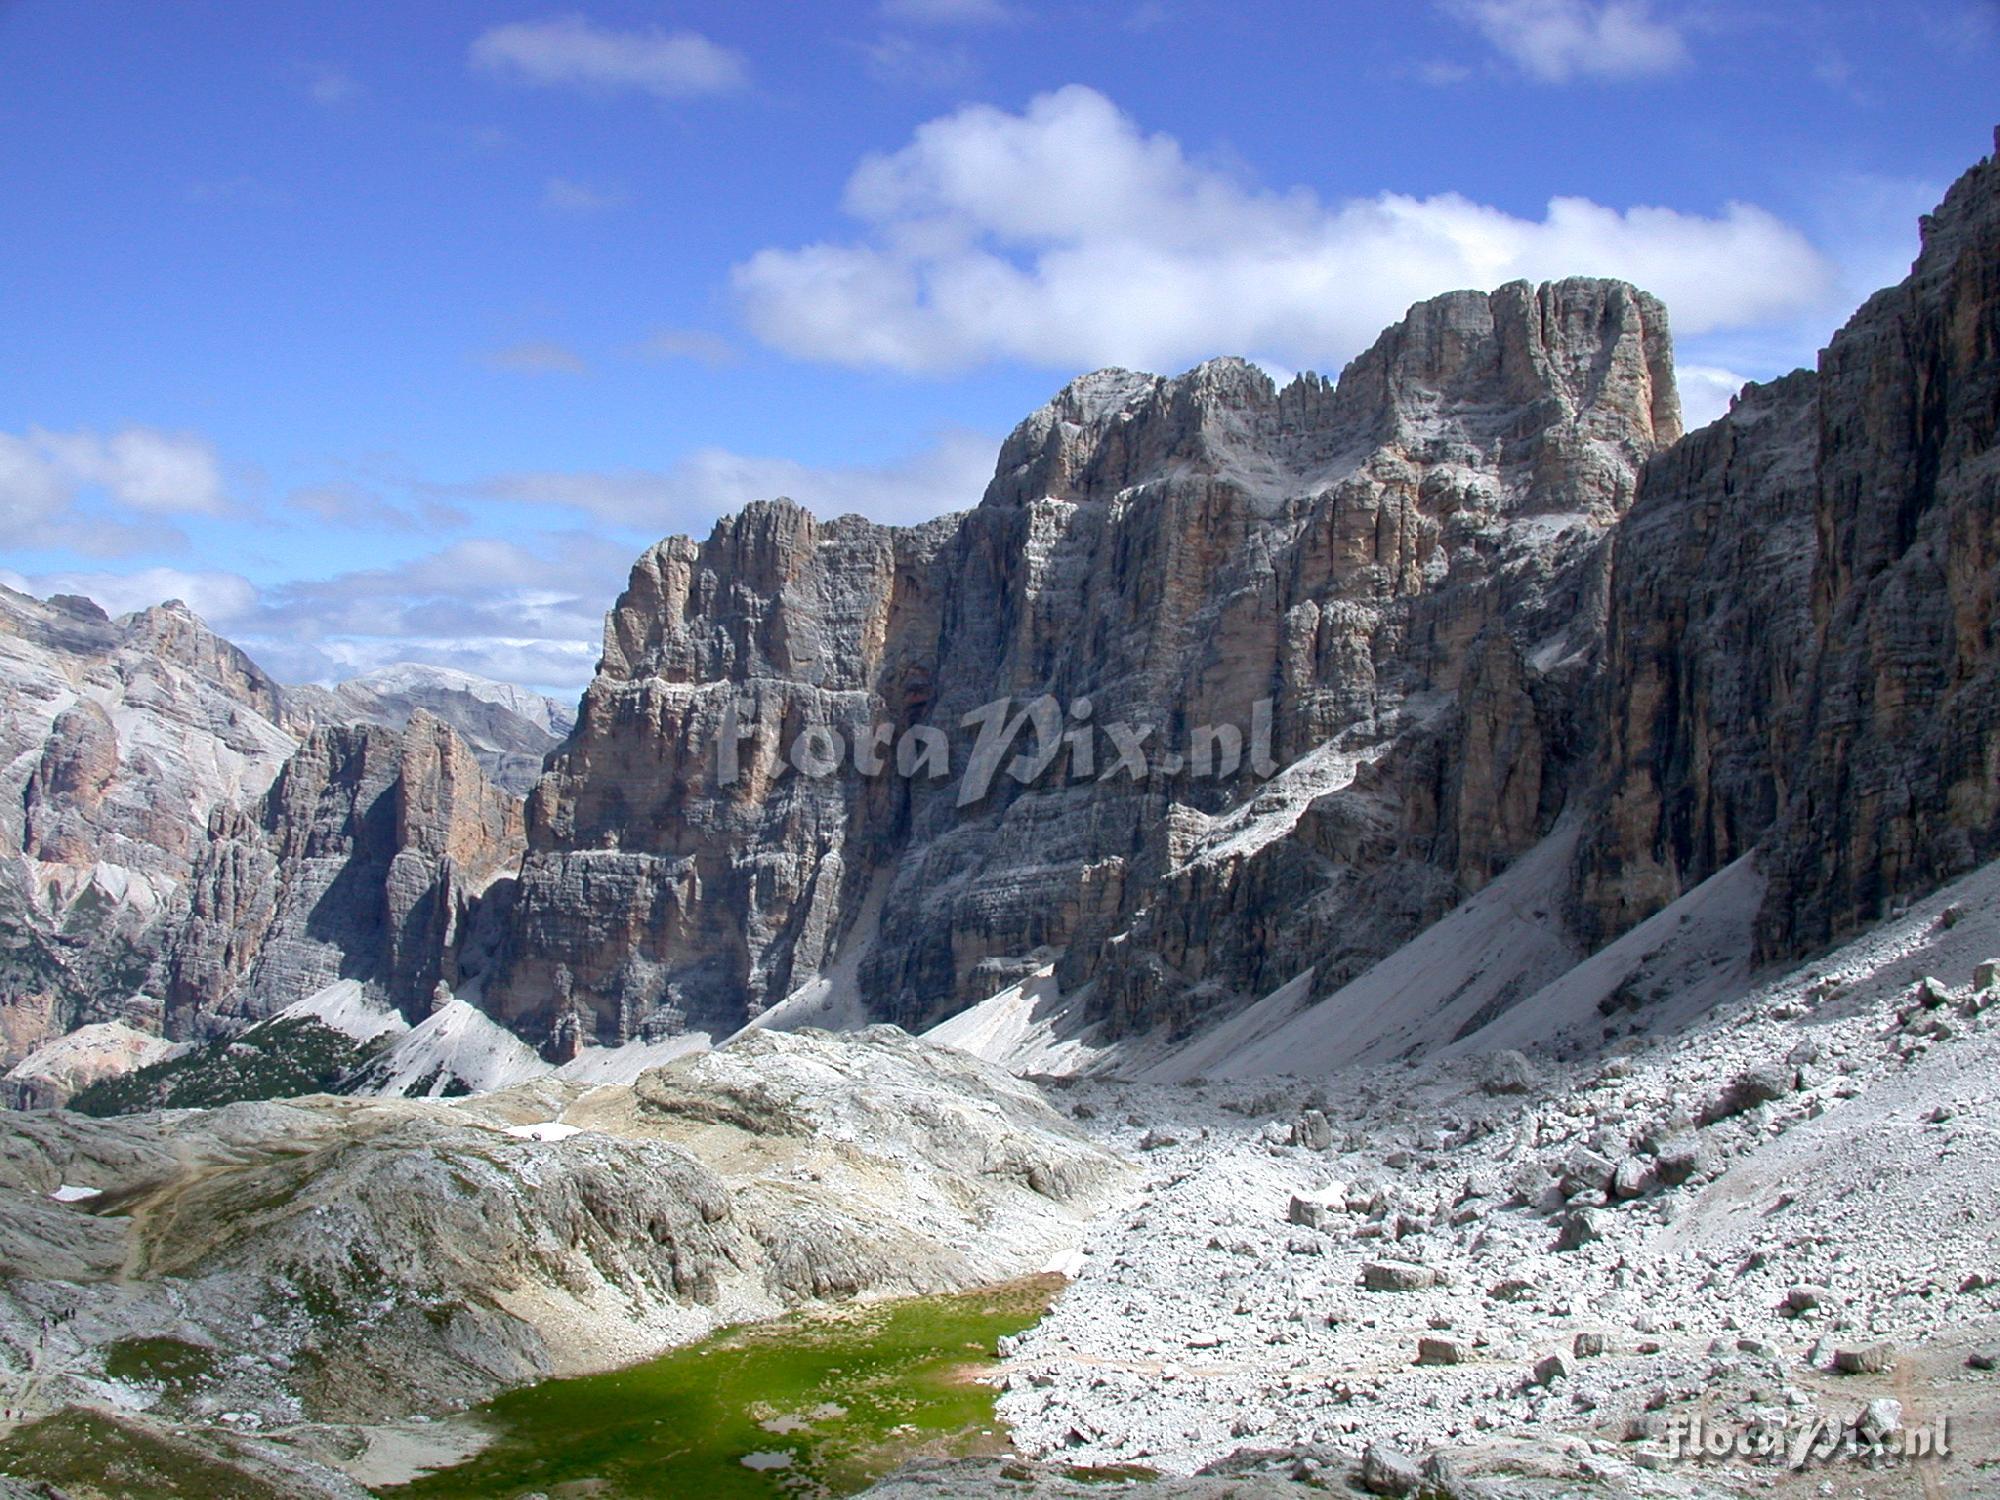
[(364, 861), (1803, 653), (1404, 572), (118, 740)]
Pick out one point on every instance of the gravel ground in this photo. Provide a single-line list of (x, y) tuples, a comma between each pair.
[(1705, 1223)]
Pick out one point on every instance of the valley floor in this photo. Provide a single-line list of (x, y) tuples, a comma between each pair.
[(1699, 1225)]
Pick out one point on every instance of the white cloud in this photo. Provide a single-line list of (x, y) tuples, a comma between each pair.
[(218, 597), (571, 50), (351, 507), (1065, 237), (1557, 40), (948, 12), (331, 87), (903, 60), (949, 475), (529, 612), (538, 357), (138, 469), (1706, 391), (563, 195)]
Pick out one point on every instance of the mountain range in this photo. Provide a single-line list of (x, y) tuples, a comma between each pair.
[(1477, 608)]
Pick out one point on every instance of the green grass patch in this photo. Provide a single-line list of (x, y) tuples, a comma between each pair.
[(840, 1397), (89, 1454), (170, 1363)]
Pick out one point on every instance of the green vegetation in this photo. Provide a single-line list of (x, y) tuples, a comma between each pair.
[(272, 1060), (829, 1400), (172, 1364), (87, 1454)]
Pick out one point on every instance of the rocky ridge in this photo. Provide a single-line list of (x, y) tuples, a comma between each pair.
[(306, 1266), (1476, 605), (1483, 583), (508, 729), (181, 860), (1405, 569)]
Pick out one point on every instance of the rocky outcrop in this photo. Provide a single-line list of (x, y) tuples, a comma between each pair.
[(364, 861), (1802, 654), (119, 739), (508, 729), (365, 1259), (1386, 589)]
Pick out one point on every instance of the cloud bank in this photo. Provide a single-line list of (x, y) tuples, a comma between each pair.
[(1067, 237)]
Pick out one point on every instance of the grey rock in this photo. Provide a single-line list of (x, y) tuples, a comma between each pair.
[(1582, 1227), (1432, 1350), (1804, 1298), (1312, 1131), (1879, 1419), (1384, 1471), (1683, 1158), (1397, 1276), (1877, 1359), (1508, 1072), (1551, 1368), (1308, 1212), (1632, 1178), (1754, 1086)]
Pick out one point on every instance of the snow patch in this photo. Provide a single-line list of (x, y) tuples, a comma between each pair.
[(548, 1130)]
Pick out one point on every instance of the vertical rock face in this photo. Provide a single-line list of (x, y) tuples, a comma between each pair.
[(1708, 650), (1899, 785), (651, 893), (362, 862), (118, 740), (1803, 652), (1402, 576)]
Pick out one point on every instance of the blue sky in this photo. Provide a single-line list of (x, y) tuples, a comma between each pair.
[(385, 333)]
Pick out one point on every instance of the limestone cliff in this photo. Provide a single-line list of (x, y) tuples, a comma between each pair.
[(1803, 653), (362, 862), (1403, 574), (118, 740)]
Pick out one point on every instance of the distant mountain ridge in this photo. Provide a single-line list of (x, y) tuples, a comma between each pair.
[(136, 752), (1498, 617), (509, 729)]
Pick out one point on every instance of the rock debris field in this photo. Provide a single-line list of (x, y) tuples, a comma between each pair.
[(1531, 1267)]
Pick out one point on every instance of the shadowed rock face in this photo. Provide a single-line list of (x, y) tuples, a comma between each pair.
[(1407, 567), (118, 739), (1802, 650), (362, 862)]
